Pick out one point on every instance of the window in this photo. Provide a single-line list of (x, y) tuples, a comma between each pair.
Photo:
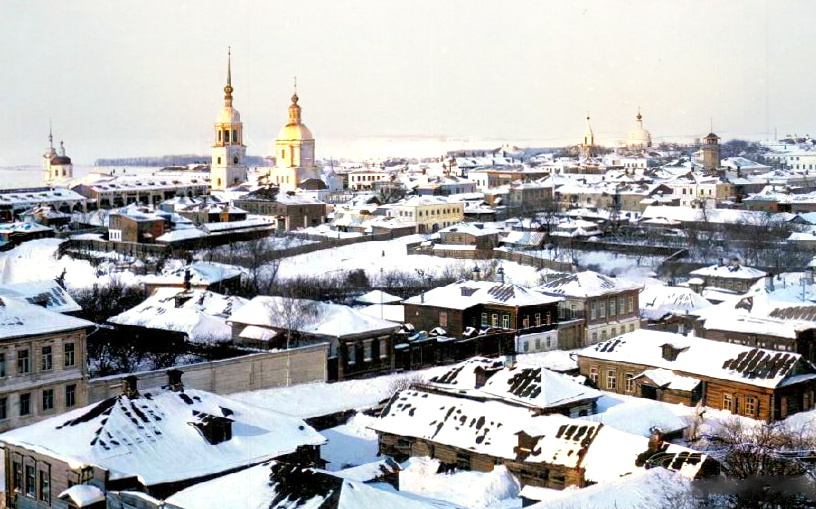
[(352, 353), (443, 318), (47, 399), (494, 320), (611, 379), (18, 476), (593, 313), (25, 404), (603, 335), (70, 358), (728, 402), (631, 327), (750, 406), (594, 337), (526, 346), (45, 360), (612, 307), (631, 305), (23, 364), (2, 364), (367, 351), (30, 487), (593, 374), (505, 321), (537, 343), (484, 319), (45, 485), (630, 383), (70, 395), (538, 318), (3, 408), (614, 332)]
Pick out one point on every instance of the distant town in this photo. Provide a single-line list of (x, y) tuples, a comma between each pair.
[(623, 322)]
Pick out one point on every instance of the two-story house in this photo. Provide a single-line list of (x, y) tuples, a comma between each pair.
[(608, 306), (42, 362), (479, 305)]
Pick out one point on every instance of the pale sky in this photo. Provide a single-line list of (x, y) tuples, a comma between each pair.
[(145, 78)]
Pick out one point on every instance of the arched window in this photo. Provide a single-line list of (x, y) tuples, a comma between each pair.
[(219, 135), (234, 136), (218, 161), (235, 160)]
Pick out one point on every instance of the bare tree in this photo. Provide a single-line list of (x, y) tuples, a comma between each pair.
[(293, 317)]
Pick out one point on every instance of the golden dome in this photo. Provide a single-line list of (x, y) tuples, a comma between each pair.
[(295, 132), (229, 115)]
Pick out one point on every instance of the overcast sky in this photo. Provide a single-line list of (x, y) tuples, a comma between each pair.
[(146, 78)]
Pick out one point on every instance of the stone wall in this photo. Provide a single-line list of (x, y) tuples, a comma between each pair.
[(250, 372)]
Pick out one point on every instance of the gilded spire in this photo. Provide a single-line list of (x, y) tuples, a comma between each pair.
[(294, 109), (639, 116), (228, 89)]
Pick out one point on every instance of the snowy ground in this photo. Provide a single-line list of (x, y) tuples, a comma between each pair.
[(36, 260), (311, 400), (380, 257), (469, 489), (351, 444)]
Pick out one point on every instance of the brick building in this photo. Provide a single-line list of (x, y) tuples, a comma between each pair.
[(291, 210)]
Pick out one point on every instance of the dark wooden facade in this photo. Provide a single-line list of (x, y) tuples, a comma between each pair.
[(535, 474), (767, 404), (480, 316)]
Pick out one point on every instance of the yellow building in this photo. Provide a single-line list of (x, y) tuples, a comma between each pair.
[(228, 167), (429, 213), (57, 166), (294, 152)]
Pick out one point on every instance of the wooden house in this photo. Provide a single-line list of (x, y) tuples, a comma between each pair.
[(157, 441), (759, 383), (479, 305), (550, 451), (359, 344)]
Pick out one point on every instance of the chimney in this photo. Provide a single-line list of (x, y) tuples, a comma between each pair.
[(130, 387), (187, 278), (655, 438), (174, 380)]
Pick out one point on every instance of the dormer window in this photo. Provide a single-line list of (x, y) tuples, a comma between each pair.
[(670, 352), (213, 428)]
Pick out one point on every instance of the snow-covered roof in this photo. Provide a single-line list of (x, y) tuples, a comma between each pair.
[(492, 428), (463, 374), (468, 293), (740, 321), (587, 284), (201, 274), (21, 318), (650, 488), (377, 297), (275, 485), (156, 435), (475, 229), (39, 195), (729, 271), (537, 387), (658, 301), (47, 292), (325, 319), (701, 357), (668, 379), (82, 495), (200, 314)]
